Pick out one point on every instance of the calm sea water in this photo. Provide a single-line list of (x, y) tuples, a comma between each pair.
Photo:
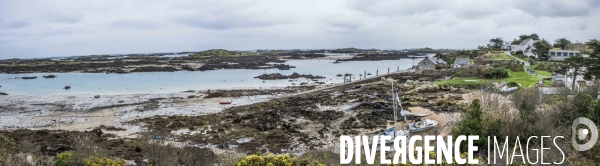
[(166, 82)]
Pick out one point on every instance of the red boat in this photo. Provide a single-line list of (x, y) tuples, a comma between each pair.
[(225, 102)]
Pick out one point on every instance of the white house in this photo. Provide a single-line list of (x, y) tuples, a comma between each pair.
[(461, 62), (526, 46), (560, 55)]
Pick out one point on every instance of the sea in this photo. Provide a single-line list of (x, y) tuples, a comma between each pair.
[(171, 82)]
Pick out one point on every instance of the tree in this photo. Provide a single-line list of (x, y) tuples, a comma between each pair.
[(534, 36), (542, 48), (562, 43), (594, 44), (573, 64), (496, 43)]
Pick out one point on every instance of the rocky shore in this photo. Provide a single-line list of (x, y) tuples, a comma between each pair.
[(275, 76), (276, 120), (140, 64)]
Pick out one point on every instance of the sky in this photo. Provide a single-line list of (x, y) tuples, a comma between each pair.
[(46, 28)]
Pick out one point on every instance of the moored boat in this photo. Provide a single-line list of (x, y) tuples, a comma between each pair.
[(28, 78), (224, 102), (49, 76)]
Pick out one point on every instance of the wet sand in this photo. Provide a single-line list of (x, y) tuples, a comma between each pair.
[(84, 112)]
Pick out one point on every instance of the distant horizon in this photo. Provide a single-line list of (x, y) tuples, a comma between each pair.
[(60, 56)]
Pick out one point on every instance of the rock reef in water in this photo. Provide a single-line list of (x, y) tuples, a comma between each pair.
[(275, 76)]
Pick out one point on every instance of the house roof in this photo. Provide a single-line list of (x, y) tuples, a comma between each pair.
[(434, 60), (462, 61), (525, 42)]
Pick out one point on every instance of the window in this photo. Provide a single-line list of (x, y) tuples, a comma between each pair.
[(570, 53), (553, 53), (577, 54)]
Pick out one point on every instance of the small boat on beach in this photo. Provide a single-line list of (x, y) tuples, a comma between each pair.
[(224, 102), (369, 74), (96, 96), (243, 140), (28, 78), (67, 86), (339, 75), (422, 125), (49, 76)]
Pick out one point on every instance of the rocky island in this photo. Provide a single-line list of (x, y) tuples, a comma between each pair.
[(275, 76)]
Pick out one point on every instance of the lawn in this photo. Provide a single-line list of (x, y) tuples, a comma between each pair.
[(523, 78), (497, 56), (543, 73)]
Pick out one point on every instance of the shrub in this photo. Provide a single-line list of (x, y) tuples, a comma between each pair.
[(519, 52), (64, 159), (496, 73), (512, 84), (98, 161), (271, 160)]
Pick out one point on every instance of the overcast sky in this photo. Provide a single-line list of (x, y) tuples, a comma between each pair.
[(43, 28)]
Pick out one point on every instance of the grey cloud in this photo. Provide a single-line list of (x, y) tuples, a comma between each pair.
[(60, 18), (229, 20), (395, 7), (134, 24), (17, 24), (558, 8)]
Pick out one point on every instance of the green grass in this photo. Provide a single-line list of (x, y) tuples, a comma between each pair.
[(548, 82), (543, 73), (461, 81), (523, 78), (497, 56)]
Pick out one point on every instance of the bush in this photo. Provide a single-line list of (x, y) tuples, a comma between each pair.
[(64, 159), (271, 160), (519, 52), (471, 71), (98, 161), (512, 84), (496, 73)]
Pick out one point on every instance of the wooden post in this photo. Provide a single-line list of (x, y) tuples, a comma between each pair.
[(365, 74), (376, 74), (398, 69), (344, 78), (388, 70)]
